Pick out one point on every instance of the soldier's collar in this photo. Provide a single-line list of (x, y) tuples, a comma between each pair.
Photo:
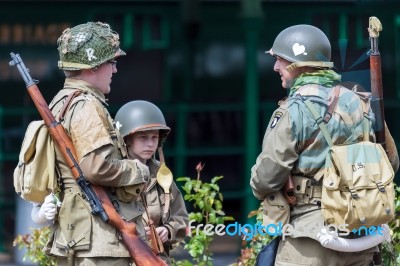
[(307, 90), (85, 87)]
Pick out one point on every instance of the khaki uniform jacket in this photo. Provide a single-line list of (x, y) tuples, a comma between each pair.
[(290, 145), (101, 151), (176, 220)]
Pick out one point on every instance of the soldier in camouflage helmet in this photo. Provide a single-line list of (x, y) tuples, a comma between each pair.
[(88, 54), (143, 127), (87, 46), (294, 146)]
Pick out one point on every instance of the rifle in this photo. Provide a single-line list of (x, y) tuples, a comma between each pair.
[(288, 191), (155, 241), (374, 28), (98, 199)]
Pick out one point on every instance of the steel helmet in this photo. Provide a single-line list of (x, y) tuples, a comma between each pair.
[(303, 45), (137, 116), (87, 45)]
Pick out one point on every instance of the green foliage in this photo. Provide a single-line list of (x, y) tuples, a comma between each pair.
[(34, 244), (207, 202), (251, 248), (391, 251)]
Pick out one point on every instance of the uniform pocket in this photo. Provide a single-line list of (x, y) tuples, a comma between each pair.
[(75, 220), (275, 209)]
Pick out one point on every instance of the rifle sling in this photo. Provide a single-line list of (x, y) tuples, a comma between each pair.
[(327, 117), (67, 103)]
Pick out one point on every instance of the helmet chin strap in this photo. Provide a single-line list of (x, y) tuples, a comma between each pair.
[(316, 64), (161, 154)]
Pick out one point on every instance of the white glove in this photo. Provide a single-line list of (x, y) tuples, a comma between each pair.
[(163, 233), (47, 211), (332, 241)]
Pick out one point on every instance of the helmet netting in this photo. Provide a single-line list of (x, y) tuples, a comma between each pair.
[(90, 44)]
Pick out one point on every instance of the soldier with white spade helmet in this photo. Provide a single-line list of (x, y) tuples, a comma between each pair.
[(294, 145)]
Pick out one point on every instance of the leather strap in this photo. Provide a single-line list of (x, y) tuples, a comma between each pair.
[(327, 116), (332, 106), (67, 103)]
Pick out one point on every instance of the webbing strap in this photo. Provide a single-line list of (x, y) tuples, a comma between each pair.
[(327, 116), (382, 194), (360, 212), (366, 128), (67, 103), (320, 122), (355, 199)]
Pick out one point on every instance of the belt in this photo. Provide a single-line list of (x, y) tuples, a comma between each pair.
[(305, 191), (74, 190)]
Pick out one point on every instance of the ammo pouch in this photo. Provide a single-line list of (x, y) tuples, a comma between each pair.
[(132, 212), (306, 191), (75, 222), (275, 209)]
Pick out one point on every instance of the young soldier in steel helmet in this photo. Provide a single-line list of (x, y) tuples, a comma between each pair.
[(293, 144), (143, 127), (88, 54)]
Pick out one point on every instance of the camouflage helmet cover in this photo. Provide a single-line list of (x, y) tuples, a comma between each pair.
[(139, 115), (303, 45), (88, 45)]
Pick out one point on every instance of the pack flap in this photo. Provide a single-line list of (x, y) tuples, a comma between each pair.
[(28, 148), (363, 163)]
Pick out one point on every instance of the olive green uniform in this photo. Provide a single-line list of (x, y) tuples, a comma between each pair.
[(101, 151), (176, 220), (291, 146)]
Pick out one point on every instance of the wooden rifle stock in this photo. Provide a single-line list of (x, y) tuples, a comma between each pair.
[(374, 28), (288, 191), (101, 205), (155, 241)]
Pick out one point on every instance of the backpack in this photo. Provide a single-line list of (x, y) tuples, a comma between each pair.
[(35, 176), (357, 186)]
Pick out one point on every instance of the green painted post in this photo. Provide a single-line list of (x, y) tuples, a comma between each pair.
[(166, 95), (252, 18), (129, 31), (343, 25), (189, 15), (148, 43), (360, 39), (180, 139)]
